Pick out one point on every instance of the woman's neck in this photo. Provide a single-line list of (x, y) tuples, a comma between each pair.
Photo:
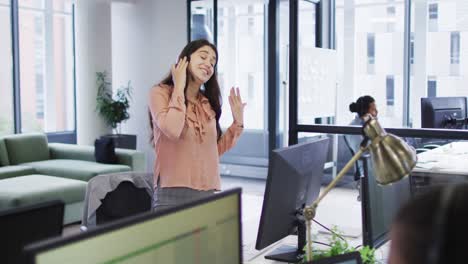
[(192, 91)]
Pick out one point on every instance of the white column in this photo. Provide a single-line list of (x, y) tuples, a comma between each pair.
[(93, 54), (346, 73), (418, 88)]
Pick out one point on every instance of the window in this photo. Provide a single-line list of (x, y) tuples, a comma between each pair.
[(251, 87), (455, 47), (201, 22), (438, 64), (433, 17), (46, 66), (6, 70), (370, 48), (433, 11), (411, 51), (431, 86), (361, 37), (390, 90), (242, 57)]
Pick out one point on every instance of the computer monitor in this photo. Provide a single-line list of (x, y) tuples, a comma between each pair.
[(379, 205), (348, 258), (18, 230), (205, 231), (294, 177), (443, 112)]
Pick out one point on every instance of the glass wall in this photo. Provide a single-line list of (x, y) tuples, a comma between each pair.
[(201, 20), (46, 65), (241, 42), (439, 55), (6, 70), (370, 48)]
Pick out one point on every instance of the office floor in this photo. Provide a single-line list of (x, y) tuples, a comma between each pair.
[(339, 208)]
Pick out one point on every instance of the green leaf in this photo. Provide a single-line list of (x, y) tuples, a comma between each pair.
[(112, 108)]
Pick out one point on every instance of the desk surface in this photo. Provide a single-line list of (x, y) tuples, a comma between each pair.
[(449, 159)]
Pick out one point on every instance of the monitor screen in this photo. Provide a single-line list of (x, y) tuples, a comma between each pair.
[(205, 231), (380, 204), (294, 180), (443, 112), (17, 230)]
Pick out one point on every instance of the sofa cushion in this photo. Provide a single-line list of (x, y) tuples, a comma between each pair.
[(23, 148), (75, 169), (4, 161), (16, 170), (31, 189)]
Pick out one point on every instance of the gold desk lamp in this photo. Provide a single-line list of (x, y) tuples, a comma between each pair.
[(392, 158)]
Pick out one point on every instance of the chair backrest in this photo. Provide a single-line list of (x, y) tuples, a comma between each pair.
[(22, 226), (125, 200)]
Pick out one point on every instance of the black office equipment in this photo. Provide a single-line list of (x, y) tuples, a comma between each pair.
[(348, 258), (379, 205), (294, 177), (443, 112), (204, 231), (22, 226)]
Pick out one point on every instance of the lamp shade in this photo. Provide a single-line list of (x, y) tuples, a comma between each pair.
[(392, 158)]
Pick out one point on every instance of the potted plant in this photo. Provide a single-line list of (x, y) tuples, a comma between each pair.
[(114, 109), (337, 245)]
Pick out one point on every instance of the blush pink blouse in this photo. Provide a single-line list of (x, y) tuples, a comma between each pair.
[(185, 140)]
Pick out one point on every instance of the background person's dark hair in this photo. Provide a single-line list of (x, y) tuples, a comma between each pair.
[(212, 91), (362, 105), (420, 232)]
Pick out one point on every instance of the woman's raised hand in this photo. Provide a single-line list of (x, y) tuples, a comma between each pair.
[(237, 106), (179, 74)]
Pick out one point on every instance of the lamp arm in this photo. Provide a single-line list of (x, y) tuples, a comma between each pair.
[(309, 211)]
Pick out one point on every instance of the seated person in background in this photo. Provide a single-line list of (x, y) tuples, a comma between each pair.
[(364, 107), (432, 228)]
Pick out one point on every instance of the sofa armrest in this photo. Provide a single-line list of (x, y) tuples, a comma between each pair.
[(132, 158)]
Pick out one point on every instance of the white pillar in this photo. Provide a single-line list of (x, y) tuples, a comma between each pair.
[(93, 54), (418, 87), (346, 72)]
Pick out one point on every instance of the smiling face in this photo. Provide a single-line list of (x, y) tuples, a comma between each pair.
[(202, 63)]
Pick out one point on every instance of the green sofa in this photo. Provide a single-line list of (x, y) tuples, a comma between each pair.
[(31, 155)]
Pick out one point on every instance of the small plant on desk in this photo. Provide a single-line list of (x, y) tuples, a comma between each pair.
[(338, 245)]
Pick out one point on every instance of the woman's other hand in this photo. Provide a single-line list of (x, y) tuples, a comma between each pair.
[(179, 74), (237, 106)]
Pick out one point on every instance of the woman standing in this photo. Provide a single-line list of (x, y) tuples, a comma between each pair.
[(185, 109)]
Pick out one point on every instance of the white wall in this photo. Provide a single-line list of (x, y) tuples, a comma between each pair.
[(93, 54), (147, 36)]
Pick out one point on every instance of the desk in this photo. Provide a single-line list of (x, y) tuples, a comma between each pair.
[(447, 163)]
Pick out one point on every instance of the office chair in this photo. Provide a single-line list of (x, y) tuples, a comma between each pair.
[(125, 200), (357, 169)]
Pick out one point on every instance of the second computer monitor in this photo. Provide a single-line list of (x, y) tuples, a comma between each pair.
[(443, 112), (294, 177)]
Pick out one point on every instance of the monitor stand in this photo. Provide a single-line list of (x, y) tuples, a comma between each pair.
[(292, 254)]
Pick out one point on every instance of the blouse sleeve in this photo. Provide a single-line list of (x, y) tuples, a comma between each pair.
[(168, 111), (229, 138)]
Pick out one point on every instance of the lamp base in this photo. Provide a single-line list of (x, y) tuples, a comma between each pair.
[(288, 254)]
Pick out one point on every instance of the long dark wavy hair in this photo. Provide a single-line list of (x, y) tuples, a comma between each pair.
[(211, 90)]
